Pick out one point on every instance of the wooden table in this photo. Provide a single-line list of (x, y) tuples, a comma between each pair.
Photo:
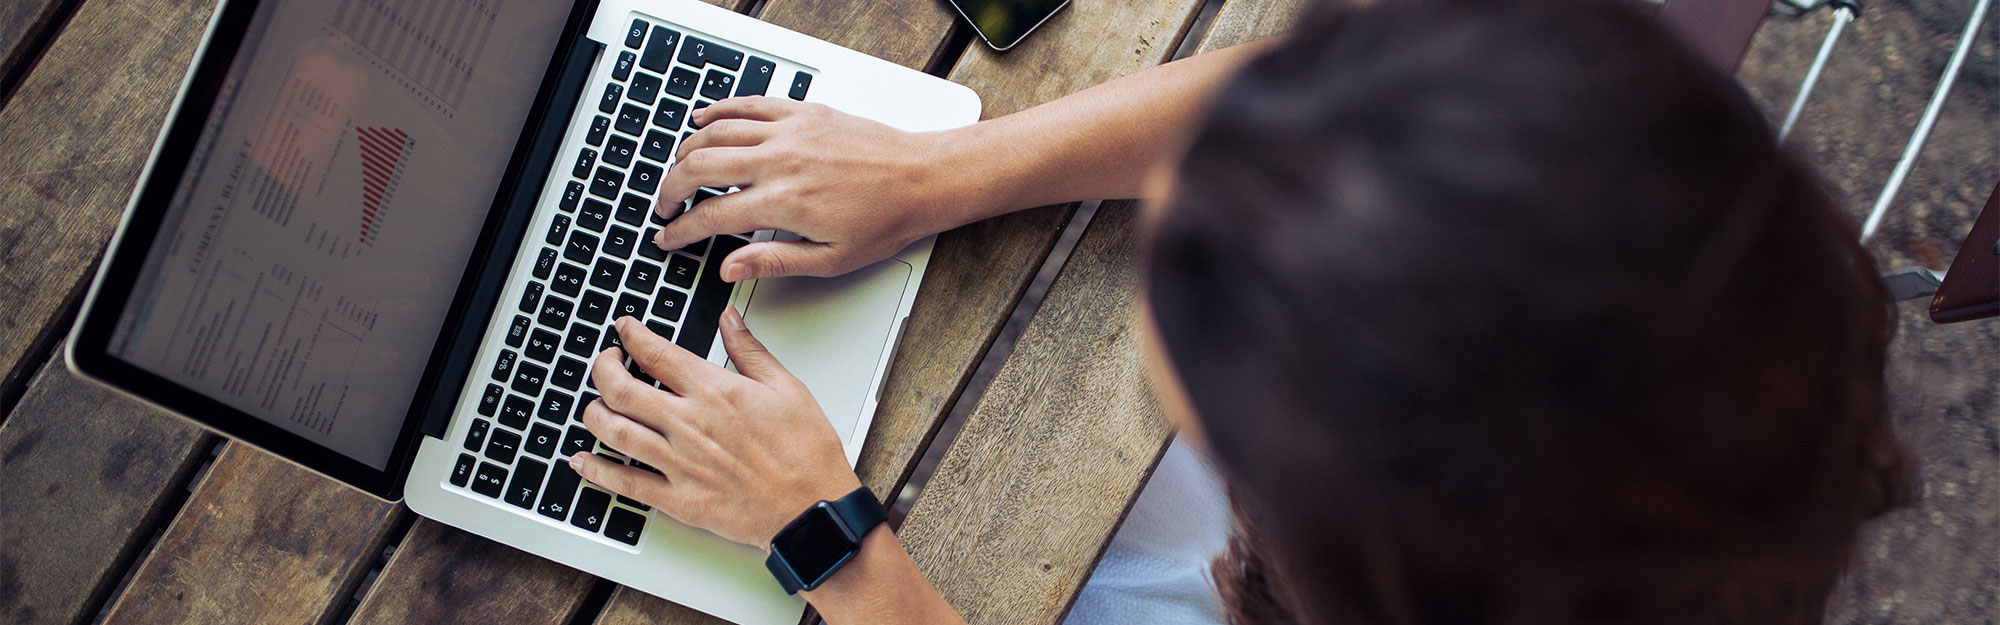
[(110, 509)]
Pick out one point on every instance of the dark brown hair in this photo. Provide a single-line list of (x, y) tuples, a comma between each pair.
[(1511, 312)]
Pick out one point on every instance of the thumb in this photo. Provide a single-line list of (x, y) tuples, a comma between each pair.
[(778, 259), (752, 359)]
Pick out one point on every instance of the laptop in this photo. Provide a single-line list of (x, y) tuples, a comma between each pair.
[(383, 240)]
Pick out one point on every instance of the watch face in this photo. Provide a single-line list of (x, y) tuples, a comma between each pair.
[(813, 545)]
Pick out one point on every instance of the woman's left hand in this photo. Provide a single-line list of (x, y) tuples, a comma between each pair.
[(740, 454)]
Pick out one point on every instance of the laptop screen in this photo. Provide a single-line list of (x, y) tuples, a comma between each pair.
[(314, 242)]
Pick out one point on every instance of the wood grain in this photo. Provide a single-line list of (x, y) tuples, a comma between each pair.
[(1036, 484), (257, 544), (88, 472), (72, 141), (26, 26), (443, 575)]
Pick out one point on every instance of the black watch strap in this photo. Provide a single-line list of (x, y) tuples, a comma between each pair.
[(859, 511)]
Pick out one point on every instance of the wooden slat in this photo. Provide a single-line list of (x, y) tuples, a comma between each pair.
[(87, 473), (258, 543), (26, 26), (443, 575), (71, 142), (1036, 484)]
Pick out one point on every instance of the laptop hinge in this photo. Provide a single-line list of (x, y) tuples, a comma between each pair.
[(487, 276)]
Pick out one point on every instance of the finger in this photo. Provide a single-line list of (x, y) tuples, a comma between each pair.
[(621, 479), (777, 259), (620, 390), (755, 107), (748, 210), (626, 434), (719, 167), (680, 369), (726, 133), (752, 359)]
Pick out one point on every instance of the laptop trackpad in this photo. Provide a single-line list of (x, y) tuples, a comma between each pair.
[(831, 332)]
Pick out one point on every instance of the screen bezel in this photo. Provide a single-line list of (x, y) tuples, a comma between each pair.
[(1007, 44), (89, 344)]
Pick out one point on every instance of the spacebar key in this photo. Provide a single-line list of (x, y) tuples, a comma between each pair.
[(711, 295)]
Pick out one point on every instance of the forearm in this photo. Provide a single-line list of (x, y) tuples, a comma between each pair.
[(881, 585), (1097, 143)]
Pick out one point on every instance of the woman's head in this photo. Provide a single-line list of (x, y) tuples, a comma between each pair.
[(1511, 312)]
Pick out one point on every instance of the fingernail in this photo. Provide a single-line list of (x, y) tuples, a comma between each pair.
[(732, 272)]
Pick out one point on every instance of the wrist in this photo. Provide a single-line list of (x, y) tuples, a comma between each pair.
[(974, 172)]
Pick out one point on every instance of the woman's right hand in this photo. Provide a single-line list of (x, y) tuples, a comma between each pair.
[(855, 190)]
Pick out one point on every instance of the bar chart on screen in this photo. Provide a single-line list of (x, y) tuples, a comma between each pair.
[(383, 154), (431, 46)]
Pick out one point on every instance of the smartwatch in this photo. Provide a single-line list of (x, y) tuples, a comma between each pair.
[(821, 539)]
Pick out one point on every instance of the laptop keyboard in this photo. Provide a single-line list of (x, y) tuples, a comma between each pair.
[(597, 262)]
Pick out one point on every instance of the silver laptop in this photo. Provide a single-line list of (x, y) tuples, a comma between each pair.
[(383, 240)]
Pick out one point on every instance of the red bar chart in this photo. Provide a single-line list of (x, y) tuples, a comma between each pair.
[(383, 153)]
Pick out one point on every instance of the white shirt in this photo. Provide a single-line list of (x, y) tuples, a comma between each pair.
[(1155, 571)]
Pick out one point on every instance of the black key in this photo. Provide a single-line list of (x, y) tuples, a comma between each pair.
[(502, 446), (619, 151), (528, 379), (543, 346), (623, 69), (629, 305), (682, 271), (625, 526), (642, 277), (618, 241), (632, 210), (631, 119), (710, 297), (568, 280), (648, 248), (475, 437), (717, 84), (635, 35), (572, 194), (633, 502), (568, 373), (590, 509), (557, 228), (756, 77), (609, 103), (672, 112), (606, 274), (585, 159), (703, 194), (581, 340), (559, 491), (555, 407), (658, 146), (697, 51), (644, 89), (579, 439), (611, 340), (582, 247), (593, 307), (503, 366), (514, 413), (462, 473), (699, 247), (669, 304), (545, 263), (594, 215), (527, 483), (518, 332), (607, 183), (596, 137), (800, 83), (490, 480), (660, 49), (639, 373), (665, 331), (555, 312), (543, 439), (636, 464), (645, 177), (490, 401), (698, 106)]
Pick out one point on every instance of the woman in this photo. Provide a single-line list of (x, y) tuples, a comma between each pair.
[(1502, 312)]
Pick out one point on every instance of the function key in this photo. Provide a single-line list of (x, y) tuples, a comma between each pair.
[(590, 509), (800, 83), (756, 77), (596, 137), (636, 34), (623, 69), (625, 526), (490, 480), (660, 49), (503, 365), (645, 88), (571, 195), (609, 102), (490, 401), (475, 437), (557, 228), (717, 84), (527, 483), (462, 473), (532, 295), (518, 332), (585, 159)]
